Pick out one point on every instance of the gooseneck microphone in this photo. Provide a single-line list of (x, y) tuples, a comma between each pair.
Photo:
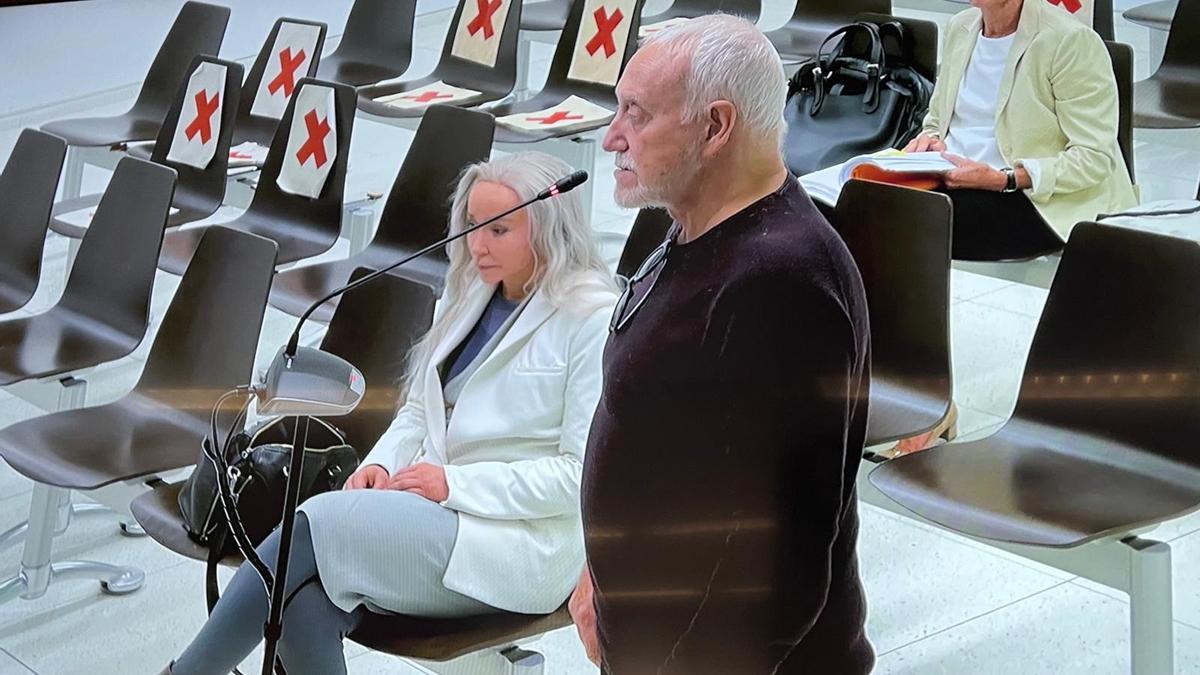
[(307, 382)]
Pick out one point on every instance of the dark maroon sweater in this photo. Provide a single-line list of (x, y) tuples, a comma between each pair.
[(718, 487)]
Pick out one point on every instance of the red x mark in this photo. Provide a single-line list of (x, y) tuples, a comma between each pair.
[(428, 96), (205, 107), (315, 145), (605, 25), (287, 75), (556, 117), (1072, 6), (484, 19)]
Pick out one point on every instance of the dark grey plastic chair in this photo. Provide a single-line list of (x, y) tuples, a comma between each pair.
[(813, 20), (900, 239), (1122, 62), (493, 83), (415, 215), (26, 197), (560, 86), (302, 227), (649, 230), (747, 9), (105, 307), (205, 346), (198, 29), (199, 192), (376, 43), (248, 127), (1170, 98)]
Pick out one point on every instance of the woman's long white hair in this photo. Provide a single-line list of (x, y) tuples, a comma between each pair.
[(569, 272)]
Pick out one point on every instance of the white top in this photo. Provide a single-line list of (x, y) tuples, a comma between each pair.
[(972, 132)]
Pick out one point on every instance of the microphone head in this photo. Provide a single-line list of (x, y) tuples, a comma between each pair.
[(310, 382), (564, 184)]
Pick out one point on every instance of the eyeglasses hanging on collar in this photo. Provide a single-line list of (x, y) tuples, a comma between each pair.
[(653, 263)]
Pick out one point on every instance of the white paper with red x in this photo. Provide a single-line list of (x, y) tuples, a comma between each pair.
[(195, 139), (573, 113), (289, 61), (312, 143), (421, 97), (477, 36), (648, 29), (600, 47), (248, 154), (1084, 10)]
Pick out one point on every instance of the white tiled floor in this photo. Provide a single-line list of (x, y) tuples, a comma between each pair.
[(938, 603)]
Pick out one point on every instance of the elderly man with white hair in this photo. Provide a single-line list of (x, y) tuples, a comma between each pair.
[(718, 484)]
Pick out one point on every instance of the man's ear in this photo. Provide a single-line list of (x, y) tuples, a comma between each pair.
[(720, 121)]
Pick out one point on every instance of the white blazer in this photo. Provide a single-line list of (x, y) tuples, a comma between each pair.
[(513, 452)]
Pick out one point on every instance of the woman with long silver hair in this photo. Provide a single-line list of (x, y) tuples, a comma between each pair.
[(469, 502)]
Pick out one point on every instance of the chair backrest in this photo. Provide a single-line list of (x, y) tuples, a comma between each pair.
[(591, 34), (1184, 36), (1102, 19), (747, 9), (837, 12), (418, 207), (900, 239), (206, 342), (374, 328), (471, 16), (199, 127), (199, 28), (649, 230), (379, 33), (1122, 62), (259, 124), (325, 212), (113, 274), (921, 50), (1116, 353), (27, 189)]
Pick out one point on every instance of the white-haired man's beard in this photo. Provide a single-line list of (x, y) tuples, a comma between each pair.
[(660, 191)]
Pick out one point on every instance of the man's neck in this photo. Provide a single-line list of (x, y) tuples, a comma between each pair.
[(728, 189), (1002, 20)]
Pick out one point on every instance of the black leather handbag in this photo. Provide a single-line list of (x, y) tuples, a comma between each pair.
[(257, 463), (855, 97)]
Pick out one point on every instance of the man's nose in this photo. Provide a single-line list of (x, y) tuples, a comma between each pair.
[(614, 140)]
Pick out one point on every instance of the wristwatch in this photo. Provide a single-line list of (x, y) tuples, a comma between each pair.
[(1011, 174)]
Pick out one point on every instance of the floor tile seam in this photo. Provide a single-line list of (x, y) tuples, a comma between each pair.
[(18, 661), (960, 624), (1125, 601)]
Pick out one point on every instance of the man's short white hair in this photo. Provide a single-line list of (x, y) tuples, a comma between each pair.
[(730, 60)]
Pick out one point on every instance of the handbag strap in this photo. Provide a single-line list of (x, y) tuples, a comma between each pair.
[(876, 62)]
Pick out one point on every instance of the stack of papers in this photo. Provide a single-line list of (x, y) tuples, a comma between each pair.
[(647, 30), (248, 154), (423, 97), (826, 184)]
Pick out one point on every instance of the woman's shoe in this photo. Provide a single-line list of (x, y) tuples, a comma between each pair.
[(946, 429)]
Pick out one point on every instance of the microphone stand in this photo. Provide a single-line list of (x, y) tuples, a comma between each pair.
[(273, 628)]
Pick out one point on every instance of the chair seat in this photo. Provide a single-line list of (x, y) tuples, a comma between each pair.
[(545, 16), (1038, 485), (296, 289), (798, 42), (354, 73), (899, 410), (1155, 15), (99, 131), (56, 342), (294, 243), (432, 639), (1170, 99), (489, 93), (188, 210), (88, 448), (445, 639)]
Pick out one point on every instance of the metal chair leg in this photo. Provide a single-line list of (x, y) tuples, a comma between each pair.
[(1151, 614), (37, 571), (72, 174), (524, 54), (508, 661), (16, 534)]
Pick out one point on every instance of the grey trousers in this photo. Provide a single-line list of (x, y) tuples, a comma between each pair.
[(313, 627)]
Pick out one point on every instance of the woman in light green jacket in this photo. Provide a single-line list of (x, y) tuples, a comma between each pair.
[(1026, 107)]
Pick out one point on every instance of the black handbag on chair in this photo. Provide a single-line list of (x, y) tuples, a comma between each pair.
[(857, 96), (257, 465)]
